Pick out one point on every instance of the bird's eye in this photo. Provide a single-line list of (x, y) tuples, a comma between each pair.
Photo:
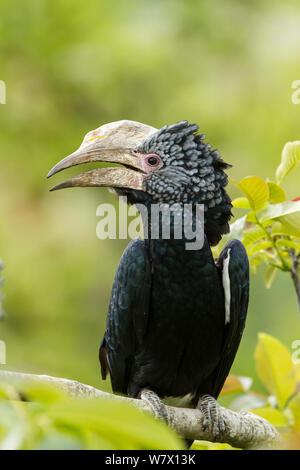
[(149, 162), (153, 160)]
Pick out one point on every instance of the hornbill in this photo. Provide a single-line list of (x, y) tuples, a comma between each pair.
[(176, 316)]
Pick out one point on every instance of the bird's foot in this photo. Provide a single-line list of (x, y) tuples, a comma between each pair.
[(213, 419), (157, 407)]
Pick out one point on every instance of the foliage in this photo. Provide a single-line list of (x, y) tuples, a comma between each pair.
[(69, 69), (48, 419), (270, 230), (34, 416), (281, 378)]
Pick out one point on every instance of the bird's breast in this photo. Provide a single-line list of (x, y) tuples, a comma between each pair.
[(186, 283), (185, 330)]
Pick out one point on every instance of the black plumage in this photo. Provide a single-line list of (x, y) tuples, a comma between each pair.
[(166, 323), (176, 315)]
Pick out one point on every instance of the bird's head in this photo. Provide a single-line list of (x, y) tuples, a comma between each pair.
[(170, 165)]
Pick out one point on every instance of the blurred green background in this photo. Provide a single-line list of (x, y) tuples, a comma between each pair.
[(70, 67)]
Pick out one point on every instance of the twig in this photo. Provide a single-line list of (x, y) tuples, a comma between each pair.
[(295, 274), (243, 430)]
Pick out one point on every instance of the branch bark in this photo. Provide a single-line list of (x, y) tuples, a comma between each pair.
[(243, 430)]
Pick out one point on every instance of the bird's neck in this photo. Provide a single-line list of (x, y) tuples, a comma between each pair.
[(180, 222)]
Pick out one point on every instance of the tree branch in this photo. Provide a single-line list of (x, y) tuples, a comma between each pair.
[(243, 430)]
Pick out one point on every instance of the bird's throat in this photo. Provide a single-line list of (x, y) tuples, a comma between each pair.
[(181, 223)]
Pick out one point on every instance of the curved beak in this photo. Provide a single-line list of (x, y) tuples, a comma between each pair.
[(110, 143), (113, 177)]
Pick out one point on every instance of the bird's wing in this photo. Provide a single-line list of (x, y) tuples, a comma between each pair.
[(233, 265), (128, 314)]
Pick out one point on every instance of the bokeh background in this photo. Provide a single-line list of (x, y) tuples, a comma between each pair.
[(70, 67)]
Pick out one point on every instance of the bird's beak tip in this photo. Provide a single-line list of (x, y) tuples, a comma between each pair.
[(59, 186), (52, 172)]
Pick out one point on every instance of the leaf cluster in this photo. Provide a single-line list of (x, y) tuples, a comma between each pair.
[(270, 229), (42, 417)]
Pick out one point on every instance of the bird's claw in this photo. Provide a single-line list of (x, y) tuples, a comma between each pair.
[(213, 419), (156, 405)]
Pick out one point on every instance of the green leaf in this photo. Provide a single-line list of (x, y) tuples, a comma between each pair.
[(275, 367), (55, 440), (256, 190), (290, 158), (50, 419), (270, 274), (275, 417), (294, 406), (291, 222), (207, 445), (43, 393), (288, 244), (252, 235), (241, 203), (279, 229), (122, 426), (288, 213), (264, 245), (251, 217), (14, 439), (276, 193)]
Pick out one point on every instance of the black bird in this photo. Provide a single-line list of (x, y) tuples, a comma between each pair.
[(176, 316)]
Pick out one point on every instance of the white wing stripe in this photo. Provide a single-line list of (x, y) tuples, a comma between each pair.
[(226, 286)]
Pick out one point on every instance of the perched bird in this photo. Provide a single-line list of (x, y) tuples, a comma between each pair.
[(176, 316)]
